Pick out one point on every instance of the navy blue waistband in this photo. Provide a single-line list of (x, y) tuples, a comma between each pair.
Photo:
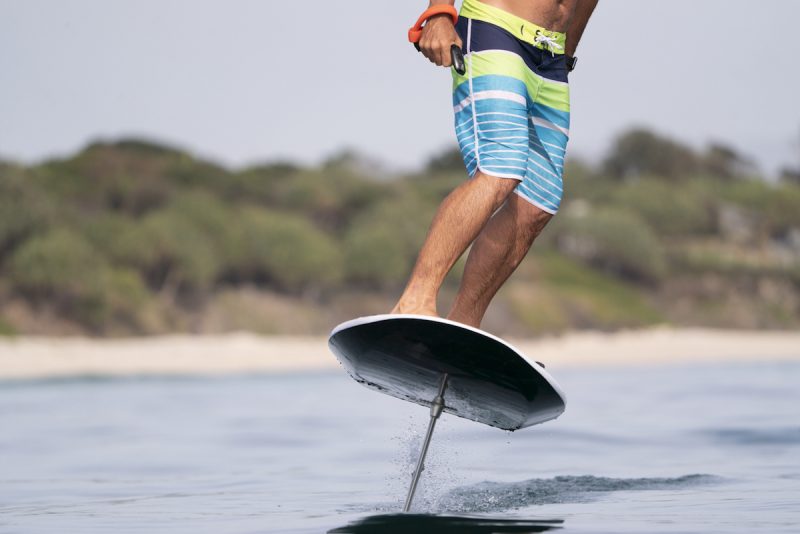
[(487, 36)]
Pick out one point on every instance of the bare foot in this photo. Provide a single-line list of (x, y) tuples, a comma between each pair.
[(402, 308)]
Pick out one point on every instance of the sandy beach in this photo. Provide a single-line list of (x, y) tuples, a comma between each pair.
[(31, 357)]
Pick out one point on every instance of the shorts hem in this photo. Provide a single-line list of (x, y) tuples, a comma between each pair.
[(498, 174), (551, 211)]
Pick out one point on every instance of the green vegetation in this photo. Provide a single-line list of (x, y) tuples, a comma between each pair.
[(6, 329), (132, 238), (568, 294)]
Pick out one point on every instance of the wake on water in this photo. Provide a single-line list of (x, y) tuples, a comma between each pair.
[(490, 497), (437, 494), (495, 496)]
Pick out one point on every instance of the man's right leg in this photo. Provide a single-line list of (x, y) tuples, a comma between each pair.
[(496, 253), (459, 220)]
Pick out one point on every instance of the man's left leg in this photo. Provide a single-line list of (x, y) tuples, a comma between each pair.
[(496, 253)]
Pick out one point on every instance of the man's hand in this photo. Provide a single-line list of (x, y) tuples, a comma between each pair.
[(438, 35)]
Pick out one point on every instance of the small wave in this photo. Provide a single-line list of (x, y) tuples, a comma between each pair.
[(493, 496), (756, 436)]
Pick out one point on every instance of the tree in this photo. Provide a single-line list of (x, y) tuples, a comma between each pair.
[(62, 270), (24, 207), (725, 162), (791, 175), (449, 160), (286, 251), (613, 240), (640, 152)]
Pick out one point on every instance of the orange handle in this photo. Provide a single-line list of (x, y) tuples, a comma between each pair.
[(415, 33)]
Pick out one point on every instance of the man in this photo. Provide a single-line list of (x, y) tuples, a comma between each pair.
[(512, 124)]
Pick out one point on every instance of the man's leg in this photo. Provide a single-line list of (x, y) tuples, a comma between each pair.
[(460, 218), (497, 252)]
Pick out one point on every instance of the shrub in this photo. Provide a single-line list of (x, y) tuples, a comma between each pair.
[(776, 205), (62, 269), (381, 244), (258, 184), (126, 177), (376, 256), (427, 191), (216, 220), (668, 209), (567, 294), (640, 152), (286, 251), (107, 233), (599, 300), (60, 262), (450, 160), (24, 208), (172, 252), (186, 246), (784, 211), (7, 329), (330, 197), (616, 241), (125, 297)]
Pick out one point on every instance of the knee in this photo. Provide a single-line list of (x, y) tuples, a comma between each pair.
[(498, 188), (530, 219)]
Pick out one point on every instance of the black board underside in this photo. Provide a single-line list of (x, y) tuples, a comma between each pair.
[(488, 381)]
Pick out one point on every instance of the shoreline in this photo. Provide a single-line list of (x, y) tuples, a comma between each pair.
[(237, 353)]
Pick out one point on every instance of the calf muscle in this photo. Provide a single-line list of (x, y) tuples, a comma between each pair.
[(459, 220)]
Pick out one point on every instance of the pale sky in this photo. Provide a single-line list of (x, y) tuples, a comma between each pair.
[(246, 81)]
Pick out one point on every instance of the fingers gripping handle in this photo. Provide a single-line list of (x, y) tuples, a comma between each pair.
[(458, 59), (456, 56), (415, 33)]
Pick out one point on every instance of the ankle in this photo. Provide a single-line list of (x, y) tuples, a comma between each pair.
[(469, 319), (407, 309), (467, 311), (413, 303)]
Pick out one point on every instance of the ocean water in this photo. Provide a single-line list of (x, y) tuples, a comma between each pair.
[(698, 448)]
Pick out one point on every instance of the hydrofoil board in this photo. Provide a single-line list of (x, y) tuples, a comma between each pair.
[(487, 379)]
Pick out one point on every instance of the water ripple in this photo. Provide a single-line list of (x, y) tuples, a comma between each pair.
[(493, 496), (752, 436)]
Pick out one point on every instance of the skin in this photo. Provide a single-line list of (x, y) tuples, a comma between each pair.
[(482, 211)]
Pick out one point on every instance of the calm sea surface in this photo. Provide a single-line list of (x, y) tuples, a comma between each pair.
[(704, 448)]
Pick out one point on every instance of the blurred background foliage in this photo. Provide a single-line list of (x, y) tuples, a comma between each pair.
[(136, 238)]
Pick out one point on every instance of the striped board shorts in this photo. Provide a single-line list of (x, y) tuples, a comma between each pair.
[(512, 104)]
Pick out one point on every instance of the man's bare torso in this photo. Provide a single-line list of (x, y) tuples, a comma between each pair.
[(551, 14)]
